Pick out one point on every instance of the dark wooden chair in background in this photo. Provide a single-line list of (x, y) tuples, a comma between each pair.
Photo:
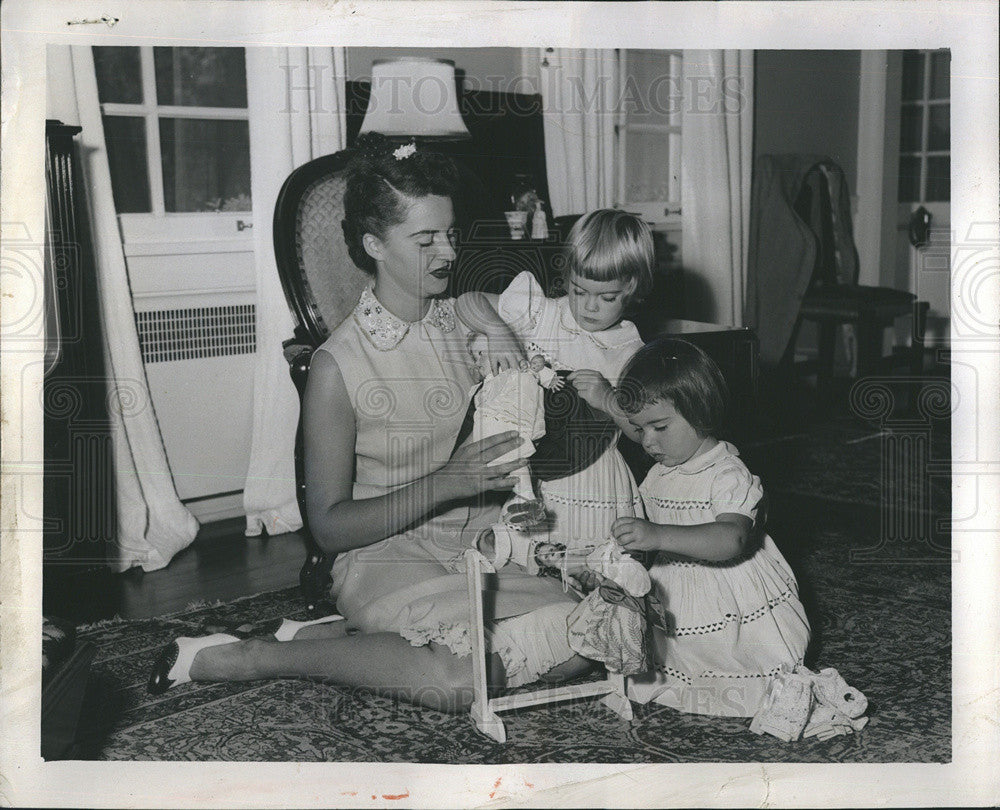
[(831, 301)]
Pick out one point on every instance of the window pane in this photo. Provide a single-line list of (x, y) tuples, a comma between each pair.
[(940, 73), (913, 75), (201, 77), (125, 137), (909, 179), (910, 128), (206, 164), (118, 77), (648, 175), (938, 179), (939, 134), (653, 94)]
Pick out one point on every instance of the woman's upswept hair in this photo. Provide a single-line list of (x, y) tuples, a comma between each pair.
[(380, 183), (612, 245), (675, 370)]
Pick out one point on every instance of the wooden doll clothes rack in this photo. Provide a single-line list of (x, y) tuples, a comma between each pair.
[(485, 709)]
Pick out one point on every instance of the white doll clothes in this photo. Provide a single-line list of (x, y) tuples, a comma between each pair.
[(545, 376), (733, 624), (582, 506), (605, 626), (511, 400)]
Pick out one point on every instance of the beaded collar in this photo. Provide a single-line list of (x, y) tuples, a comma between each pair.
[(622, 333), (385, 330)]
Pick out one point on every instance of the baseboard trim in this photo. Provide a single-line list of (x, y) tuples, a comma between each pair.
[(223, 507)]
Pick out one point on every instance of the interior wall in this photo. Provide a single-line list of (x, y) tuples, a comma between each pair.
[(483, 68), (807, 101)]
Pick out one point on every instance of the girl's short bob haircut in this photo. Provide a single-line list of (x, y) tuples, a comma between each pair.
[(612, 245), (678, 371), (382, 178)]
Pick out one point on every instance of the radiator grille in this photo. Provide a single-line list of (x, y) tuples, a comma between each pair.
[(189, 334)]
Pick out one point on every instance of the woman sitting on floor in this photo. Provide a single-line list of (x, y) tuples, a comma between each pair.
[(386, 493)]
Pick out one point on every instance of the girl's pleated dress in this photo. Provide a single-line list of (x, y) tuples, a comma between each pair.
[(732, 624)]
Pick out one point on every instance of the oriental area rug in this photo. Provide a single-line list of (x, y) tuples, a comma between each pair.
[(880, 616)]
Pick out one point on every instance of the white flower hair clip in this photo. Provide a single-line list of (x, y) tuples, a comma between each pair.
[(405, 151)]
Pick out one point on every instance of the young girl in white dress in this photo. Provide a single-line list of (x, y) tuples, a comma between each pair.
[(609, 264), (733, 612)]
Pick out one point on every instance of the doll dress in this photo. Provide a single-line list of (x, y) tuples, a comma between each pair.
[(581, 506), (733, 625), (409, 385)]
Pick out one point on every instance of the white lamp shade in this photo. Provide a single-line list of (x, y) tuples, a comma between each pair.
[(414, 97)]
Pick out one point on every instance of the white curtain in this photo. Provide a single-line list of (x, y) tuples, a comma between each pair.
[(297, 113), (579, 96), (153, 524), (715, 180)]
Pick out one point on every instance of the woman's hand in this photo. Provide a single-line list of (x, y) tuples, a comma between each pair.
[(593, 388), (503, 350), (468, 471), (636, 534)]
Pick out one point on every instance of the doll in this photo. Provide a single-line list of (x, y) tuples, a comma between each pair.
[(510, 400), (547, 378), (611, 622)]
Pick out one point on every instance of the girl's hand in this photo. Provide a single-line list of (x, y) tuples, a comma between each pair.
[(593, 388), (557, 384), (635, 534), (468, 473), (588, 580), (503, 350)]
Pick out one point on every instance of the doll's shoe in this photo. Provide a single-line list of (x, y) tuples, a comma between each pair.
[(173, 664), (289, 627), (833, 691), (508, 544), (523, 514)]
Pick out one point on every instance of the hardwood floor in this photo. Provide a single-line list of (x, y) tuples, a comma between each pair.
[(221, 564)]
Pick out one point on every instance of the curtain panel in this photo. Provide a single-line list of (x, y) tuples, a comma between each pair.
[(580, 89), (153, 525), (297, 112), (717, 124)]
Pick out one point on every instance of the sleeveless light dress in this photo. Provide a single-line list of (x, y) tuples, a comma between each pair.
[(734, 624), (582, 506), (409, 386)]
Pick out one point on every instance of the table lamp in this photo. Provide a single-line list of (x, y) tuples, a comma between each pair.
[(414, 97)]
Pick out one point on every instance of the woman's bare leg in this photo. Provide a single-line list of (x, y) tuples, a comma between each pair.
[(383, 662), (432, 675), (328, 630)]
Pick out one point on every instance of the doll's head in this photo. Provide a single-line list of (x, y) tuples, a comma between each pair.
[(609, 265), (536, 363), (550, 555), (675, 395)]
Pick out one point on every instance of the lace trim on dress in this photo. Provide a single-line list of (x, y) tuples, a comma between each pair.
[(708, 673), (667, 503), (733, 618), (455, 637), (593, 503), (385, 330)]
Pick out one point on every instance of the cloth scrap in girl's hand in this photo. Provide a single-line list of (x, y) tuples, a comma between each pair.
[(801, 703)]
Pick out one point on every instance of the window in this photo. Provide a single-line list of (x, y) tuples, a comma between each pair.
[(649, 135), (176, 128), (925, 128)]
